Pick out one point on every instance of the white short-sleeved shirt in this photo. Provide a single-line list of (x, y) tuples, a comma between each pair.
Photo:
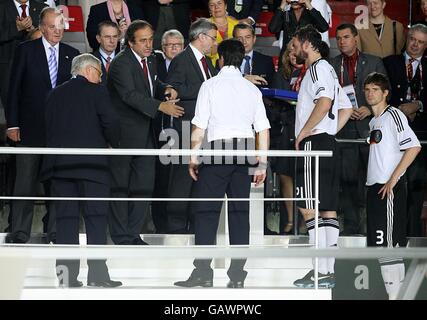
[(390, 136), (229, 106), (319, 81)]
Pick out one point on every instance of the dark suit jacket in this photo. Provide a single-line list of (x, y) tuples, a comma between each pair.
[(366, 64), (162, 72), (104, 71), (131, 97), (181, 12), (186, 77), (29, 85), (250, 8), (396, 70), (263, 65), (99, 13), (79, 114)]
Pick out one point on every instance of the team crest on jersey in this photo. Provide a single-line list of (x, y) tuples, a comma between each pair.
[(376, 137)]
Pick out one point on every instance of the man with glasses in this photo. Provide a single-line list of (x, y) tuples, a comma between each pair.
[(107, 37), (172, 44), (187, 71), (79, 114)]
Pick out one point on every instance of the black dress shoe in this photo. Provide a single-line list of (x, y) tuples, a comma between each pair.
[(139, 242), (195, 281), (72, 284), (104, 284), (235, 284)]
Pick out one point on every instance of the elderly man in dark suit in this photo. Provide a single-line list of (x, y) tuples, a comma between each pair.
[(137, 95), (17, 18), (38, 67), (107, 37), (79, 114), (352, 68), (187, 72), (408, 80)]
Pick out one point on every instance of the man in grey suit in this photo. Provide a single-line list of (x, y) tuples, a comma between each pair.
[(352, 68), (137, 94)]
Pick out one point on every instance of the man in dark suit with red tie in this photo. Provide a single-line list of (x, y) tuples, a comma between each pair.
[(187, 71), (17, 18), (38, 67), (137, 96)]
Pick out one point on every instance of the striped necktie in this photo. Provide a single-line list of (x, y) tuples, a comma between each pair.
[(53, 66)]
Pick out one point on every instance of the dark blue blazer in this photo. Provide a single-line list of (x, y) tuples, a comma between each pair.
[(262, 65), (99, 13), (29, 85), (79, 114)]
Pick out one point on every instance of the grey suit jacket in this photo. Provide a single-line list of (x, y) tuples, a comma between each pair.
[(366, 64), (131, 97)]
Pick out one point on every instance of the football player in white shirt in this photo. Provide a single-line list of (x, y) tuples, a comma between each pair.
[(393, 147), (322, 110)]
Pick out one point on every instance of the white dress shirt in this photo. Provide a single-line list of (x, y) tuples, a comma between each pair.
[(228, 106), (104, 56), (142, 66), (18, 7), (199, 56), (47, 45)]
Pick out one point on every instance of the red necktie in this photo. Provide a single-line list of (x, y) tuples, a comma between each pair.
[(24, 10), (410, 69), (205, 67), (107, 65), (145, 68)]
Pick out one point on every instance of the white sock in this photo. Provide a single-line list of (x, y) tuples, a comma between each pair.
[(323, 265), (332, 230), (393, 276)]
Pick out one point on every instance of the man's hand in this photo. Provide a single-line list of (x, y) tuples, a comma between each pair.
[(165, 1), (171, 94), (14, 134), (24, 24), (256, 80), (361, 113), (302, 135), (387, 189), (409, 109), (193, 168), (170, 108), (306, 3)]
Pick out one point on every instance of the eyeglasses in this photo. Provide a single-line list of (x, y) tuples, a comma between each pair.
[(213, 38), (99, 71), (173, 45)]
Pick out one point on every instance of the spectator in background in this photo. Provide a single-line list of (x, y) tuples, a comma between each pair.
[(246, 11), (292, 15), (224, 23), (382, 36), (352, 68), (164, 15), (38, 67), (172, 45), (17, 19), (423, 7), (408, 82), (108, 39), (116, 11), (254, 62)]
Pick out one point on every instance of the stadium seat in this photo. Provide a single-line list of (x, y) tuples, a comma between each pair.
[(74, 34)]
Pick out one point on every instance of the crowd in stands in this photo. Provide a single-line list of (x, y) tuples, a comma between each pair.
[(30, 69)]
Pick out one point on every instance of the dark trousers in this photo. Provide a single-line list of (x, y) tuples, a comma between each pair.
[(416, 177), (26, 184), (178, 212), (133, 177), (67, 223), (353, 165), (214, 182), (158, 208)]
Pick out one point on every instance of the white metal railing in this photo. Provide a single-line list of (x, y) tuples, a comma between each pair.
[(179, 152)]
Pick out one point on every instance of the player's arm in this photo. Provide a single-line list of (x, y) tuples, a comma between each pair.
[(343, 116), (408, 157), (322, 107)]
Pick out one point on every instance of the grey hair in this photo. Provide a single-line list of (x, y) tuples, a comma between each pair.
[(47, 10), (417, 27), (201, 25), (82, 61), (173, 33)]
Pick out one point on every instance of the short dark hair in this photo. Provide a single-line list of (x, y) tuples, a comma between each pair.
[(134, 27), (350, 26), (310, 34), (107, 23), (232, 51), (243, 26), (324, 50), (379, 80)]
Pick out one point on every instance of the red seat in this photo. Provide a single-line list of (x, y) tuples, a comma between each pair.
[(74, 16), (261, 26)]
